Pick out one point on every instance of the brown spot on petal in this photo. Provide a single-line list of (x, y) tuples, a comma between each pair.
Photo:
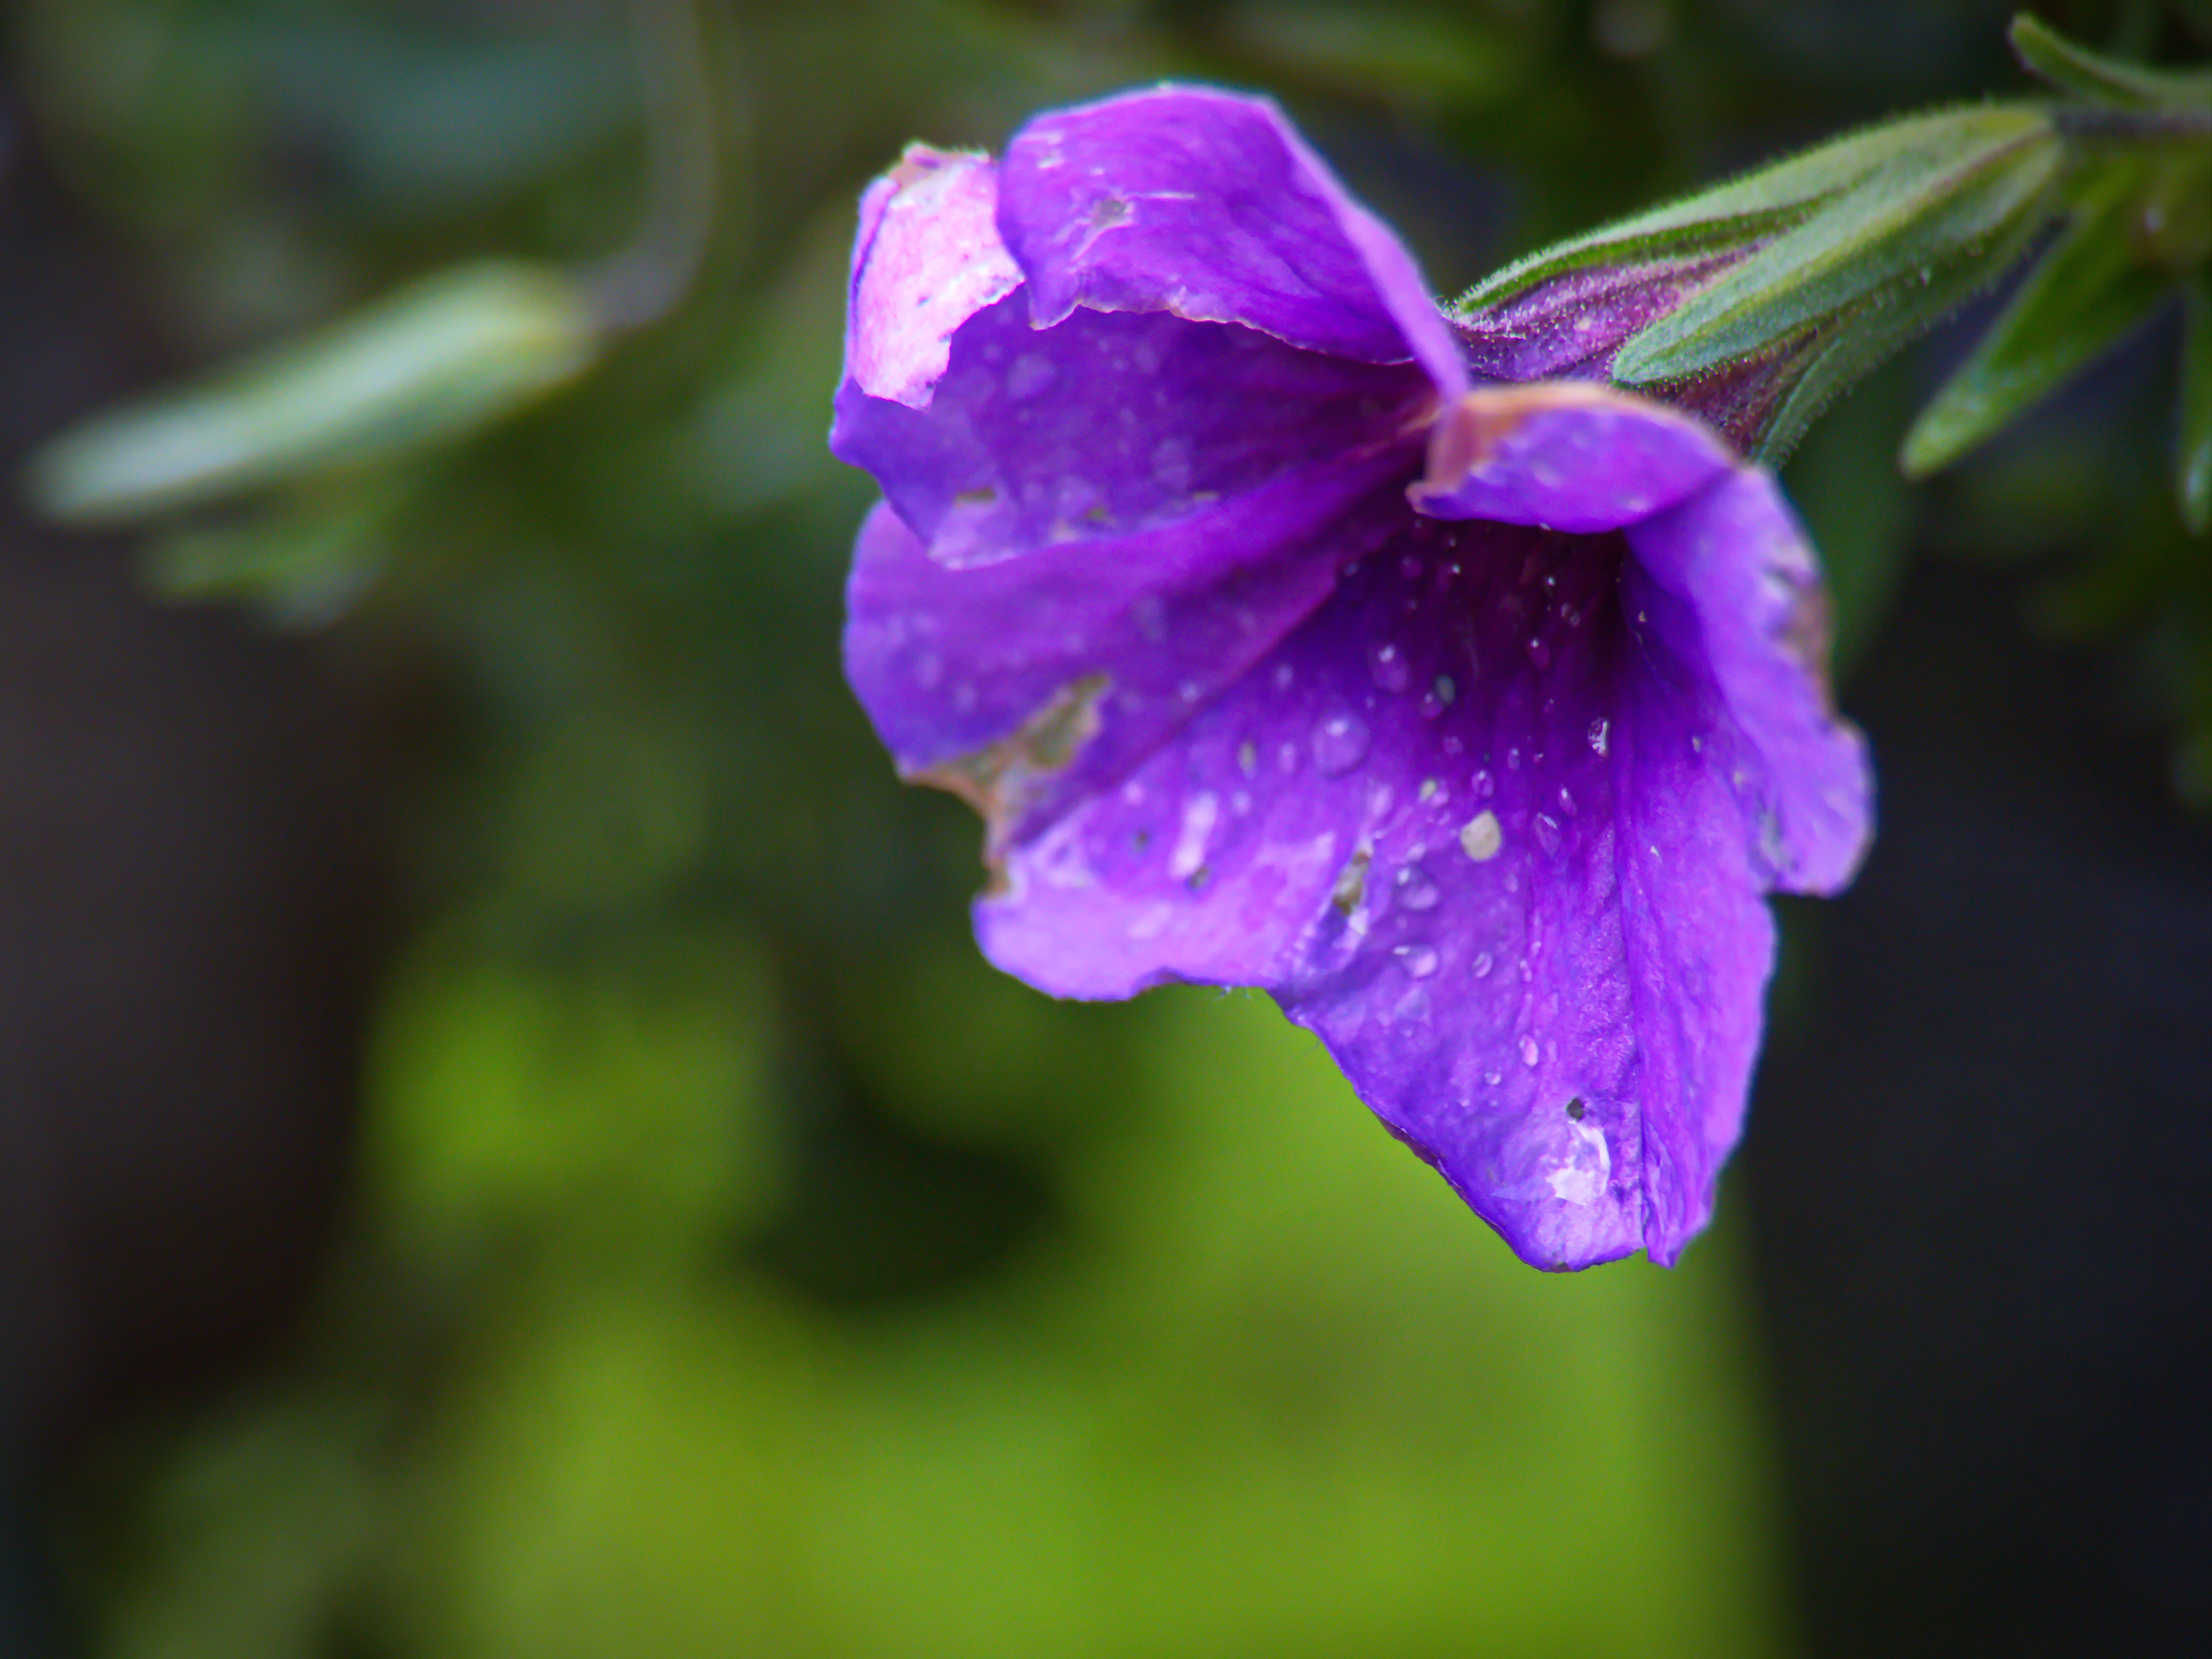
[(1352, 882), (1000, 780)]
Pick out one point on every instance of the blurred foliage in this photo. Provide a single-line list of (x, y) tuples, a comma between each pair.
[(738, 1265)]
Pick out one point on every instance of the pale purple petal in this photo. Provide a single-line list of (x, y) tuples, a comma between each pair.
[(1109, 424), (1209, 204), (927, 258), (1730, 585), (1566, 455)]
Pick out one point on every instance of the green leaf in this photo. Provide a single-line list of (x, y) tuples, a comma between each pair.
[(2193, 459), (2101, 79), (2085, 294), (427, 365), (1948, 203)]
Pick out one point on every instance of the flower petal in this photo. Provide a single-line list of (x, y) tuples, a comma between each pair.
[(1565, 454), (1209, 204), (927, 258), (1730, 585), (1026, 685), (1106, 424), (1475, 824)]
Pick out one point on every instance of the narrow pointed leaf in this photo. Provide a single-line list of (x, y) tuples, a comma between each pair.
[(2085, 295), (429, 364), (1875, 263), (2194, 459), (2111, 82)]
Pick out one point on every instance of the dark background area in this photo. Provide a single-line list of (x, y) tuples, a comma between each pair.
[(504, 1144)]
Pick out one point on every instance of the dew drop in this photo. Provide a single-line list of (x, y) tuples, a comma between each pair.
[(1415, 890), (1513, 760), (1493, 1078), (1387, 664), (1419, 961), (1485, 785), (1481, 836), (1547, 833), (1482, 965), (1566, 802), (1286, 758), (1599, 730), (1444, 689), (1430, 790), (1339, 742), (1248, 757), (1539, 653), (1529, 1053)]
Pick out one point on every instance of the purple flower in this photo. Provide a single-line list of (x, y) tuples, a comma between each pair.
[(1471, 721)]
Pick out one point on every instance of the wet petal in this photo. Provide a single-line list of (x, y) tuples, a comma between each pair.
[(1732, 591), (1111, 423), (1209, 204), (1460, 827), (1567, 455), (927, 258), (1026, 685)]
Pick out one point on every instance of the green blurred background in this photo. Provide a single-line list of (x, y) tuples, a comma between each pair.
[(708, 1253)]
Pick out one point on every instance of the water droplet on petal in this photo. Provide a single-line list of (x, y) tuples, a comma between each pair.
[(1481, 836), (1339, 742), (1547, 833), (1566, 802), (1529, 1053), (1599, 730), (1513, 760), (1430, 789), (1539, 653), (1417, 960), (1482, 964), (1248, 757), (1415, 890), (1387, 663), (1485, 785), (1286, 758), (1493, 1077)]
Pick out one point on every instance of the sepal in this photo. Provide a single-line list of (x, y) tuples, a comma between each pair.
[(1754, 302)]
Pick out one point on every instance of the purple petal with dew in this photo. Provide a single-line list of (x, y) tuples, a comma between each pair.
[(927, 259), (1209, 204), (1566, 455), (1106, 424), (1480, 822), (1730, 584), (1030, 684)]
